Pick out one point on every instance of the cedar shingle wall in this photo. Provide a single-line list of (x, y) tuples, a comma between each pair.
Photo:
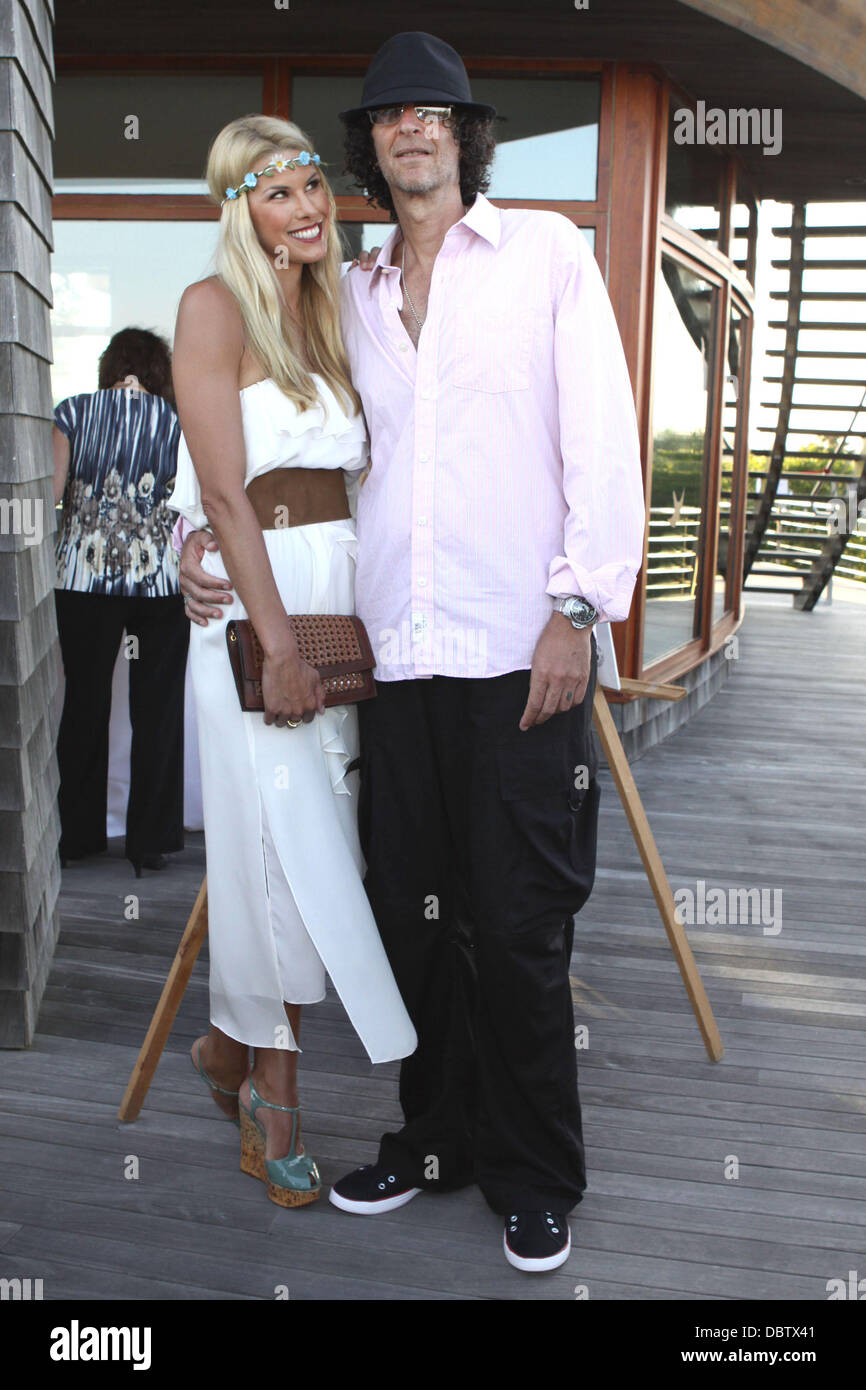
[(30, 666)]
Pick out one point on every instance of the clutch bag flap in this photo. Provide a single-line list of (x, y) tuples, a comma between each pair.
[(337, 644)]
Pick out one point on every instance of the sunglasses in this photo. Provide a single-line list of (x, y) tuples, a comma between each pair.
[(390, 115)]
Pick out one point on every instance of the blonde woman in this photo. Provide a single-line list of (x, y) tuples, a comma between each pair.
[(272, 434)]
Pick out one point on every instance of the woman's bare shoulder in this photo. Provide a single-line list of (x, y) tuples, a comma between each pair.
[(210, 298), (208, 313)]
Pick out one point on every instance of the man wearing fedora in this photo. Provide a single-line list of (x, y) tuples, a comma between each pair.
[(502, 517)]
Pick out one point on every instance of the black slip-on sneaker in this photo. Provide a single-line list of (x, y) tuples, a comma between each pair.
[(536, 1240), (371, 1189)]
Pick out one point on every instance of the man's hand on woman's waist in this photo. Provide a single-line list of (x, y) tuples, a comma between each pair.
[(200, 589)]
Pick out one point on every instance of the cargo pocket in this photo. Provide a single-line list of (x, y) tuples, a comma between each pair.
[(548, 848), (535, 844), (528, 771)]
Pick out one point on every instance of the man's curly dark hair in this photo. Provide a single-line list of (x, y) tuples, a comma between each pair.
[(472, 132)]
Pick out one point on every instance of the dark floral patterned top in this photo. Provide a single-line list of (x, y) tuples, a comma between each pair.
[(115, 534)]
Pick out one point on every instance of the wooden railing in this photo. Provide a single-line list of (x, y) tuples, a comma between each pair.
[(672, 553)]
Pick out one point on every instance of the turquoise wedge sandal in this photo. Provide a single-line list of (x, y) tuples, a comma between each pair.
[(292, 1181), (235, 1119)]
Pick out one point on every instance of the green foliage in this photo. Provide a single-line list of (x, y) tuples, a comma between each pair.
[(823, 451), (678, 466)]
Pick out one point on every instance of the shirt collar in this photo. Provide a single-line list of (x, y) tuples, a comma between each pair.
[(482, 218)]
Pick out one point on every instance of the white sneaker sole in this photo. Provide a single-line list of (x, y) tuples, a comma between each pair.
[(536, 1266), (372, 1208)]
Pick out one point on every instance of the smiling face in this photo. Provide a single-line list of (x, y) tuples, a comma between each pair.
[(291, 209), (416, 157)]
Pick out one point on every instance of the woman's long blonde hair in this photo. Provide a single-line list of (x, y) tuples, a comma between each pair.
[(249, 144)]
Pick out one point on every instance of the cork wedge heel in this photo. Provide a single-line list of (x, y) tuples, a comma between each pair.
[(292, 1181)]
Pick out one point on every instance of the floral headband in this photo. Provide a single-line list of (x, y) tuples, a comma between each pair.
[(250, 180)]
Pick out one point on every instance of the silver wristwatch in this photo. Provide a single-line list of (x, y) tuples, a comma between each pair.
[(579, 613)]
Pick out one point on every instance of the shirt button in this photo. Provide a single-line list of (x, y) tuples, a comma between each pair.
[(422, 582), (423, 458), (404, 347), (422, 521)]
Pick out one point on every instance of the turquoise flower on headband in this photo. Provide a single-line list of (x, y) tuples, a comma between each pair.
[(250, 180)]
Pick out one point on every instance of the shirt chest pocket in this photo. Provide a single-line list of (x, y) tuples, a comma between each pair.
[(493, 347)]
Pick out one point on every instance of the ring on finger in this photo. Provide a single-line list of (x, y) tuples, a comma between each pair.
[(292, 723)]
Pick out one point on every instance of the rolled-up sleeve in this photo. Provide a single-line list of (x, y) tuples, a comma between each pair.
[(179, 533), (602, 478), (183, 528)]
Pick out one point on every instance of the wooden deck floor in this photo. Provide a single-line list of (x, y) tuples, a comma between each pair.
[(763, 789)]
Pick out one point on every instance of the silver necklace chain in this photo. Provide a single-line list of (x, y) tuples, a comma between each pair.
[(405, 288)]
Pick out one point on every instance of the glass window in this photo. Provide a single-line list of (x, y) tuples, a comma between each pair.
[(111, 275), (682, 373), (546, 132), (182, 187), (145, 125), (546, 136), (364, 236), (694, 181), (315, 103), (732, 424)]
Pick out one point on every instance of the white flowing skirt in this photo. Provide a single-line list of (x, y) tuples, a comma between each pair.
[(286, 901)]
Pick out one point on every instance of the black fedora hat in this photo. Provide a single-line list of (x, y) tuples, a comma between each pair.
[(417, 67)]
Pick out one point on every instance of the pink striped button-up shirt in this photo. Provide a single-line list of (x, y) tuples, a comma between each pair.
[(505, 459), (505, 464)]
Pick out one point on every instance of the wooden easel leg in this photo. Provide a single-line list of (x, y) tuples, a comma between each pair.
[(165, 1011), (633, 806)]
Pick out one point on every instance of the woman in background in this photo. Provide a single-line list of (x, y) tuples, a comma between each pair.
[(115, 460)]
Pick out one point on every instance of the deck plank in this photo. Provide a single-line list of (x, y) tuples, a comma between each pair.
[(763, 788)]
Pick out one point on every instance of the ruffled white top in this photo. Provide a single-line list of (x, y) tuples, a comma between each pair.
[(279, 435)]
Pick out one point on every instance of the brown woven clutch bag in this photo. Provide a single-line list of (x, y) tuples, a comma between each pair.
[(335, 643)]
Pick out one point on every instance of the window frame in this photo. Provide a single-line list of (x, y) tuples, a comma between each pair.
[(276, 74)]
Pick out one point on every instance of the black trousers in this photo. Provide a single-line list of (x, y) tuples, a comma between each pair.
[(480, 843), (90, 628)]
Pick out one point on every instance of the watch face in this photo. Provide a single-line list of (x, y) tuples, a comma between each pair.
[(578, 610)]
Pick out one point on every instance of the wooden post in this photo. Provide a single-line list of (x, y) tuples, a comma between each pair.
[(165, 1011), (633, 806)]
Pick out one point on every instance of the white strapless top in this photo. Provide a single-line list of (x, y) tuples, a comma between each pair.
[(278, 435)]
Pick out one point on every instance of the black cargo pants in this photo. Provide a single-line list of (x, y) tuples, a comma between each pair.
[(480, 843)]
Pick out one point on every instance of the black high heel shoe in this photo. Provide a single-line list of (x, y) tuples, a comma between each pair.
[(148, 861)]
